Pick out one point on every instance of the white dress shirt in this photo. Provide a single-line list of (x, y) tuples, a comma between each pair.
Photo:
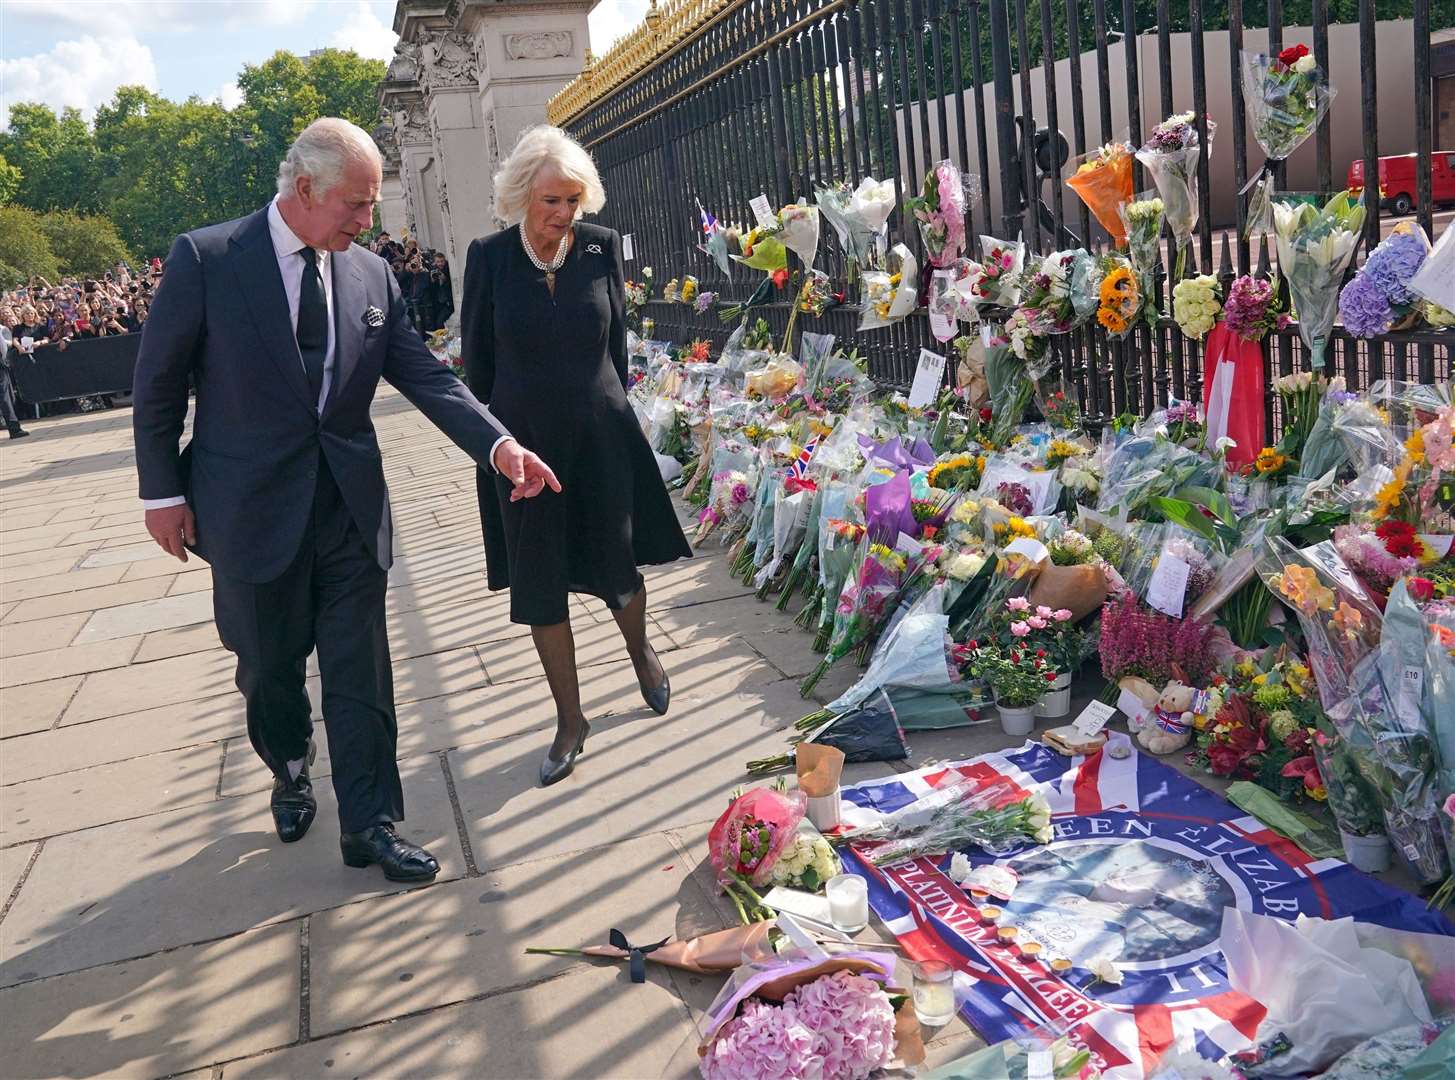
[(287, 248)]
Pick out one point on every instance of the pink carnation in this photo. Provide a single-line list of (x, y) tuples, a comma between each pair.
[(763, 1042), (1018, 603)]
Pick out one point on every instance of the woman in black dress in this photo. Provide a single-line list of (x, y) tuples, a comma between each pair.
[(544, 344)]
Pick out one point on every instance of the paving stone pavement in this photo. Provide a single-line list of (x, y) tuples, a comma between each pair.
[(152, 925)]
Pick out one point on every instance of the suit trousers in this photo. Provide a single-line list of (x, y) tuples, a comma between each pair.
[(331, 598)]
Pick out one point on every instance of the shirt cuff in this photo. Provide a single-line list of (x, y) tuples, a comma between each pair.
[(503, 439), (181, 500)]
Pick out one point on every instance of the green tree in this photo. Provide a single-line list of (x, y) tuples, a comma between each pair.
[(24, 249), (9, 180), (57, 156), (83, 246)]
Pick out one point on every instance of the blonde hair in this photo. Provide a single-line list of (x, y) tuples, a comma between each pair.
[(322, 151), (545, 147)]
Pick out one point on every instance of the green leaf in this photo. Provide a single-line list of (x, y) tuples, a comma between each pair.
[(810, 879), (1181, 512), (1215, 501)]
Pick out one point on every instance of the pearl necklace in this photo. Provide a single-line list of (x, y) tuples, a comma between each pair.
[(549, 269)]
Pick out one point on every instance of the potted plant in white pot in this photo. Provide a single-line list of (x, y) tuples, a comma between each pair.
[(1018, 678)]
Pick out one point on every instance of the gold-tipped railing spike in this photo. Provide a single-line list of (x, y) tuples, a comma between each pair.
[(661, 29)]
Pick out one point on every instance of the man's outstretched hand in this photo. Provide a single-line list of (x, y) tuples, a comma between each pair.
[(174, 528), (528, 474)]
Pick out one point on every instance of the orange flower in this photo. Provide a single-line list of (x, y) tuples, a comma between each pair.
[(1348, 620), (1300, 586)]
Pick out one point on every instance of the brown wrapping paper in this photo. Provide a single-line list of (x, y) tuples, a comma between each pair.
[(970, 374), (1082, 589), (909, 1042), (819, 769), (715, 952)]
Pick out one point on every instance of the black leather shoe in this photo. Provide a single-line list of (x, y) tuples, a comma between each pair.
[(18, 432), (400, 860), (658, 698), (293, 803), (553, 771)]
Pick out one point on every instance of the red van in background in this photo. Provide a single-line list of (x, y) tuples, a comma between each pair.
[(1397, 180)]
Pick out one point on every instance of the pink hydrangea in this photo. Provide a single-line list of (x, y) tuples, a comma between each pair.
[(852, 1023), (763, 1042)]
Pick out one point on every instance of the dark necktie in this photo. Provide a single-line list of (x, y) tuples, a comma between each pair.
[(312, 322)]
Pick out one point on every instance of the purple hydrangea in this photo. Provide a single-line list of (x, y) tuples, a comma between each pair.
[(1363, 309), (1391, 265)]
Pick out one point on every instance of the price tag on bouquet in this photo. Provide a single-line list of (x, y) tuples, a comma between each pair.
[(1093, 718), (1168, 586), (929, 375), (627, 252), (1411, 693), (763, 211)]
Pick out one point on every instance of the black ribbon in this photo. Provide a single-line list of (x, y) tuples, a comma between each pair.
[(638, 953)]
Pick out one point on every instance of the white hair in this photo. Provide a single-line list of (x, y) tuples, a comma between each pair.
[(539, 148), (322, 151)]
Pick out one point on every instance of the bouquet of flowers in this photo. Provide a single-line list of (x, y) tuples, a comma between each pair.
[(997, 277), (838, 546), (940, 213), (1045, 290), (1171, 155), (890, 294), (1103, 181), (1027, 342), (813, 1019), (747, 840), (1379, 298), (1286, 96), (959, 472), (868, 597), (1142, 219), (1253, 308), (1314, 248), (1058, 408), (998, 817), (798, 229), (859, 216), (1324, 448), (1120, 297), (806, 863), (1195, 304), (761, 251), (638, 293), (1152, 646), (1071, 548)]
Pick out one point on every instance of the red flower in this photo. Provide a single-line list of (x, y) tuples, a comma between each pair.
[(1422, 589), (973, 643), (1389, 529), (1306, 769), (1291, 55), (780, 277), (1404, 546), (1051, 676), (985, 414)]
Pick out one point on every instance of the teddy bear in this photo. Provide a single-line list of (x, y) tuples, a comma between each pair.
[(1166, 723)]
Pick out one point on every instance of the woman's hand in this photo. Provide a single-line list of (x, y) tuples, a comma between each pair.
[(527, 473)]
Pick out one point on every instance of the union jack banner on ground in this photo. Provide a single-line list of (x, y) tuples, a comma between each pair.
[(1142, 864)]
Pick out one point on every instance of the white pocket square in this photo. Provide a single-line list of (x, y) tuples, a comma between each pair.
[(373, 317)]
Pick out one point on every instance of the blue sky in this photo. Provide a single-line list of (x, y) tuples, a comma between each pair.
[(76, 52)]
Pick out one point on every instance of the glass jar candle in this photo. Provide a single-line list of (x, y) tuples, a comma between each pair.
[(848, 896), (934, 993)]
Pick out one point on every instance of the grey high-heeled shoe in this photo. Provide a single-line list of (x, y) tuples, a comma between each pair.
[(659, 697), (553, 771)]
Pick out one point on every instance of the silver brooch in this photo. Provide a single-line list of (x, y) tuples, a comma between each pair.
[(593, 249), (374, 317)]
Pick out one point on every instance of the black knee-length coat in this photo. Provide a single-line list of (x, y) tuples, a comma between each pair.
[(553, 370)]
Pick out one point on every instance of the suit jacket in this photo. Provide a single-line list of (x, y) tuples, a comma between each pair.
[(220, 320)]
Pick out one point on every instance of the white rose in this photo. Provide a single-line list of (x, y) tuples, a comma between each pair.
[(1304, 65), (1106, 970)]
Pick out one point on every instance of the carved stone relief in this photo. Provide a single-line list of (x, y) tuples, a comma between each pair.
[(412, 123), (448, 60), (405, 65), (539, 46)]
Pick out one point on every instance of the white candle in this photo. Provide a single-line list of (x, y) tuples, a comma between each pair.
[(848, 902), (934, 993)]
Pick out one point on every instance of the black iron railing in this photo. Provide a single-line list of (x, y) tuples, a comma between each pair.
[(775, 96)]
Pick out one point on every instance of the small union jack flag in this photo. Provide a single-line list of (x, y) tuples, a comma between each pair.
[(709, 223), (799, 468)]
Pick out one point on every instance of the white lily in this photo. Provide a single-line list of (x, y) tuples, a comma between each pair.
[(1224, 444)]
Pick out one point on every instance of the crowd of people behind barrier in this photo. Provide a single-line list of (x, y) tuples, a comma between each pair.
[(424, 279)]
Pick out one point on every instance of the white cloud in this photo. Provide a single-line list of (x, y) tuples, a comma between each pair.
[(230, 96), (610, 19), (365, 34), (150, 16), (82, 73)]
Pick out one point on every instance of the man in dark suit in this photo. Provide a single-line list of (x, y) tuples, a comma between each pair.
[(285, 326)]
